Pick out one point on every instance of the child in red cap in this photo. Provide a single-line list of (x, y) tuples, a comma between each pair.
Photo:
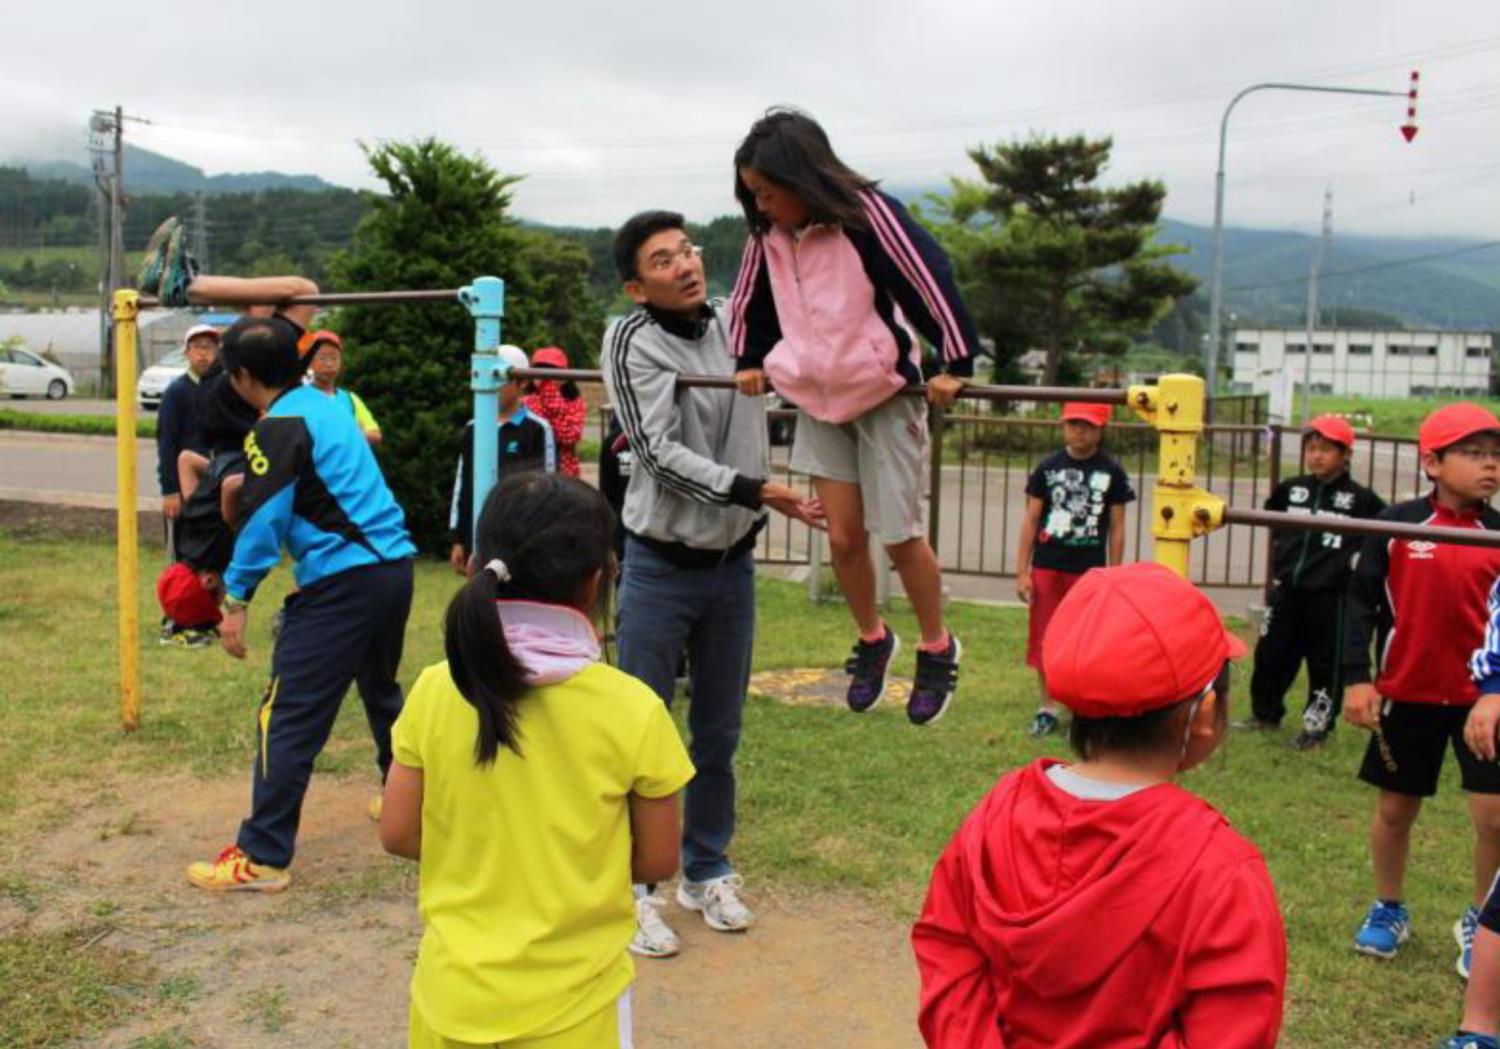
[(1098, 905), (1075, 520), (1305, 605), (562, 405), (1426, 603), (190, 598)]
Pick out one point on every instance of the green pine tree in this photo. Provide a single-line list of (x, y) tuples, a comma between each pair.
[(443, 223), (1049, 259)]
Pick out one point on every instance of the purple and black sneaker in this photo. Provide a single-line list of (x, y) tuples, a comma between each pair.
[(868, 668), (935, 682)]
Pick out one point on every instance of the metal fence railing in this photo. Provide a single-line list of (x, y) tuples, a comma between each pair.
[(979, 465)]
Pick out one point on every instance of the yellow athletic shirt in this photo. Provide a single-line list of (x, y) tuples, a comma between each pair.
[(525, 871)]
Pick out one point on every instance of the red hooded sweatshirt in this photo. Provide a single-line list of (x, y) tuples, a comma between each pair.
[(1054, 922)]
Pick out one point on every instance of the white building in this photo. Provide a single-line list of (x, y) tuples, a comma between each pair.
[(1363, 363)]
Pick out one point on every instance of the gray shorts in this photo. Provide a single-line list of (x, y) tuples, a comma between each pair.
[(884, 451)]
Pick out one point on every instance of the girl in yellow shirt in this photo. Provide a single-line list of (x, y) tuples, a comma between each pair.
[(534, 784)]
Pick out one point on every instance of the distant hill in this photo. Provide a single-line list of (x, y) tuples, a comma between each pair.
[(148, 172), (1265, 274)]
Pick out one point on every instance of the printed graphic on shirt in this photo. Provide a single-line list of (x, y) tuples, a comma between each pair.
[(1343, 500), (1075, 506), (1298, 494)]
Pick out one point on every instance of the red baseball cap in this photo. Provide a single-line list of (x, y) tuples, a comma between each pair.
[(184, 600), (1083, 411), (1133, 639), (1334, 427), (313, 338), (1452, 423), (550, 356)]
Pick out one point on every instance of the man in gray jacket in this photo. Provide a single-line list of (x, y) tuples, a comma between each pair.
[(694, 506)]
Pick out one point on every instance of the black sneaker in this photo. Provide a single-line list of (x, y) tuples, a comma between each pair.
[(1044, 723), (934, 684), (1306, 740), (867, 669)]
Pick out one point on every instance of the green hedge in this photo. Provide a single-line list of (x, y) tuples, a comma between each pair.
[(97, 425)]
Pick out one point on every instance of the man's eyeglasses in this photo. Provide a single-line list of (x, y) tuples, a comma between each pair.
[(662, 261)]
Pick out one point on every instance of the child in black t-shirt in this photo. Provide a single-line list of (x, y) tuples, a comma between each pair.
[(1075, 520)]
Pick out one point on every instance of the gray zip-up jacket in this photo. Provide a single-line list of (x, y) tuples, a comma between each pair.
[(701, 455)]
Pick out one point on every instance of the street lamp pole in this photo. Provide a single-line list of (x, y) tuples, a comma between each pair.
[(1215, 286)]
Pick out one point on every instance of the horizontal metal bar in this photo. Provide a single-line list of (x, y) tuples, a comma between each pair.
[(1361, 526), (974, 391), (342, 298)]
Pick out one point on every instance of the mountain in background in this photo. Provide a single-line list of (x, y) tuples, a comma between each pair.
[(1265, 274), (148, 172)]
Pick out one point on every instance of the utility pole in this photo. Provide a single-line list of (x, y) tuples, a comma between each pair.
[(107, 143), (200, 232), (1312, 302)]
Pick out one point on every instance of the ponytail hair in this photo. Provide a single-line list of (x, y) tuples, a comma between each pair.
[(541, 537)]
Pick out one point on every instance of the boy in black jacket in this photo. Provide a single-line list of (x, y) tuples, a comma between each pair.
[(1304, 620)]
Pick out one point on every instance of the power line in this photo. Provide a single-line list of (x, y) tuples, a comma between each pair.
[(1372, 267)]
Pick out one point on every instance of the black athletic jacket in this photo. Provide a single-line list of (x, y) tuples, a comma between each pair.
[(1319, 560)]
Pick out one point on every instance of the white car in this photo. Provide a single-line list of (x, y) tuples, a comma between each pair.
[(155, 379), (24, 374)]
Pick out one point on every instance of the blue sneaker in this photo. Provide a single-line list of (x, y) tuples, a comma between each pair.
[(1385, 929), (1470, 1041), (1463, 933), (868, 668)]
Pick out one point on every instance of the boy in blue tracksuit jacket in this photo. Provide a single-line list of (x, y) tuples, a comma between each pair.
[(312, 485)]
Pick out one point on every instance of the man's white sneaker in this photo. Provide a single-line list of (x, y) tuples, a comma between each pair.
[(654, 938), (719, 902)]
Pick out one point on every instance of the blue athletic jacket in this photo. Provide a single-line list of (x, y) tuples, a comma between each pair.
[(313, 485)]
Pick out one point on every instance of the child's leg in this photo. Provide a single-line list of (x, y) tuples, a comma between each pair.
[(1390, 841), (190, 470), (1044, 698), (229, 498), (1484, 810), (922, 578), (1278, 656), (1482, 999), (849, 550), (250, 292)]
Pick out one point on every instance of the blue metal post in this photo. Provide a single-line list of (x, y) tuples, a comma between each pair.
[(485, 299)]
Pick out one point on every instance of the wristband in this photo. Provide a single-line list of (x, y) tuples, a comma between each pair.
[(232, 604)]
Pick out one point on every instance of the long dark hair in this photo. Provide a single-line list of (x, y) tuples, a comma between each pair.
[(789, 148), (554, 533)]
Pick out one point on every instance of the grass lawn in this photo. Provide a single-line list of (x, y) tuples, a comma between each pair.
[(1392, 417), (828, 800)]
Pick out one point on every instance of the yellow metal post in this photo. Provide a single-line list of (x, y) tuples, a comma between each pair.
[(1180, 510), (127, 550)]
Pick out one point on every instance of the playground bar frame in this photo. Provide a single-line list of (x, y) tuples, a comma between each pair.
[(1174, 406)]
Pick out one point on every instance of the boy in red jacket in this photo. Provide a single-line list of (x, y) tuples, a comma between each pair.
[(1097, 905), (1427, 605)]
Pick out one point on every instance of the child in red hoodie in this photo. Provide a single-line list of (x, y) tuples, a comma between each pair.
[(1097, 905)]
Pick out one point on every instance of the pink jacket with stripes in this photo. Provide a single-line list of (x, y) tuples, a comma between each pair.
[(828, 312)]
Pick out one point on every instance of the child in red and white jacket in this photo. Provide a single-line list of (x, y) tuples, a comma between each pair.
[(562, 405), (1098, 905)]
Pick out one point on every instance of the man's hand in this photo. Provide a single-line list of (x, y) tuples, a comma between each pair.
[(943, 390), (1024, 588), (458, 560), (1479, 730), (232, 632), (787, 500), (171, 506), (1362, 706), (751, 381)]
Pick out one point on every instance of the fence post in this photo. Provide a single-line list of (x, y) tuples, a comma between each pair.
[(127, 550), (1275, 480), (1180, 510), (485, 300), (936, 419)]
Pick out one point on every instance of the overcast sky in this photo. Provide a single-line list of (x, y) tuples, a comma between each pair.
[(612, 107)]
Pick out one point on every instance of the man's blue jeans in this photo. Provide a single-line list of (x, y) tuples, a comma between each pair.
[(711, 613)]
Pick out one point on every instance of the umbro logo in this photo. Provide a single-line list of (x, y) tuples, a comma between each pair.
[(1421, 549)]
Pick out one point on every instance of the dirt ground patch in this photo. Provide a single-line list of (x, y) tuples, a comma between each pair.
[(327, 963), (28, 520)]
